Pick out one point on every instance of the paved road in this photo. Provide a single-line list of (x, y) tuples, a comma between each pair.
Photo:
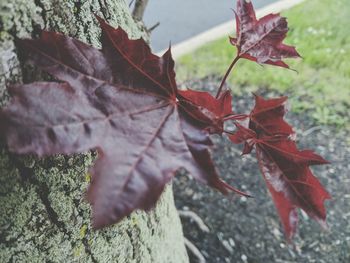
[(182, 19)]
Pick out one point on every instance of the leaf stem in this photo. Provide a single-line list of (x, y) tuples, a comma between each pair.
[(235, 117), (229, 132), (226, 75)]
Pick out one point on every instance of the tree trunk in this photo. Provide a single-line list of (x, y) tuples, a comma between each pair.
[(43, 215)]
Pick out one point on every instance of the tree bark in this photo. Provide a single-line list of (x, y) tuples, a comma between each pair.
[(43, 215)]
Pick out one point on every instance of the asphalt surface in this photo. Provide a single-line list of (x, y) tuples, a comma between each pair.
[(183, 19)]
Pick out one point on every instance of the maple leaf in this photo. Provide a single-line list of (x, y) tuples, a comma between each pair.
[(209, 110), (291, 182), (123, 102), (285, 169), (268, 117), (261, 40)]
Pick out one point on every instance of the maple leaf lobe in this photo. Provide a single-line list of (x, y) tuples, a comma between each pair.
[(261, 40)]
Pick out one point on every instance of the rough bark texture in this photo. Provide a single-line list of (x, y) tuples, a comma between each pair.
[(43, 215)]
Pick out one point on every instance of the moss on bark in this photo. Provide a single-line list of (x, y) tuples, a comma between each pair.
[(43, 215)]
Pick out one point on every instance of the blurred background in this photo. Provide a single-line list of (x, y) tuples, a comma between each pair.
[(236, 229), (182, 19)]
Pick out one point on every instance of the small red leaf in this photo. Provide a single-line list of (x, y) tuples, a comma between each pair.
[(244, 135), (267, 117), (206, 108), (292, 185), (261, 40), (285, 168)]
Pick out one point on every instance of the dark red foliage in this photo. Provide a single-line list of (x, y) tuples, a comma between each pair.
[(123, 101), (209, 110), (261, 40), (285, 169)]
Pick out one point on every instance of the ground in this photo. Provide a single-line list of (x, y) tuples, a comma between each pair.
[(248, 230)]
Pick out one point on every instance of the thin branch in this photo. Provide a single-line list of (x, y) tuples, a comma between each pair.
[(139, 9), (226, 75), (153, 27), (131, 2)]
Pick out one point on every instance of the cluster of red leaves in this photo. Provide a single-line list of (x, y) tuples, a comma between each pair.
[(285, 169), (123, 101)]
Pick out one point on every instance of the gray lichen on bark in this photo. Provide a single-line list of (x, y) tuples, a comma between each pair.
[(43, 215)]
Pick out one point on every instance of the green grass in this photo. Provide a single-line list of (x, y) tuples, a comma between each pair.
[(320, 31)]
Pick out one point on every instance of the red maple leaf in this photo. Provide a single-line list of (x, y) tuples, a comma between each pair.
[(121, 100), (204, 107), (261, 40), (285, 168)]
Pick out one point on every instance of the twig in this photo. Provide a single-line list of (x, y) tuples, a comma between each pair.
[(192, 215), (131, 2), (226, 75), (195, 251), (311, 130), (153, 27), (139, 9)]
